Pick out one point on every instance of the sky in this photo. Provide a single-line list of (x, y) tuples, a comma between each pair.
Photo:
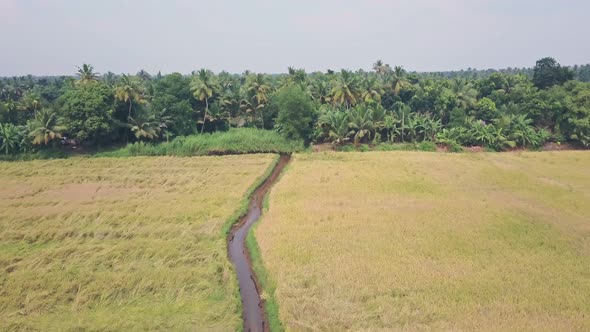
[(52, 37)]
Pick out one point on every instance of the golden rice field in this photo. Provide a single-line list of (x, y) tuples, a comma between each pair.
[(419, 241), (121, 244)]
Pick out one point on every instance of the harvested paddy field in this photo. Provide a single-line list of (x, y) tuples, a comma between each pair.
[(119, 244), (411, 240)]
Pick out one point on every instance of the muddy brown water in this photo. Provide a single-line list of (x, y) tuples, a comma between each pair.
[(254, 315)]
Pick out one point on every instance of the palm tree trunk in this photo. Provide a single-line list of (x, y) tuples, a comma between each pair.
[(262, 118), (205, 116), (128, 116), (403, 128)]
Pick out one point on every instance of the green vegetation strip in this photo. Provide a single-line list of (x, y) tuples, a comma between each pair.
[(237, 141), (271, 306), (243, 209)]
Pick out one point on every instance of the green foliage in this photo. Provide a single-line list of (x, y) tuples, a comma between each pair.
[(238, 141), (574, 122), (257, 91), (521, 131), (144, 127), (453, 138), (131, 92), (295, 113), (361, 122), (339, 126), (486, 110), (172, 97), (204, 86), (346, 89), (524, 107), (10, 138), (583, 72), (426, 146), (548, 73), (422, 146), (87, 75), (45, 128), (4, 113), (87, 112)]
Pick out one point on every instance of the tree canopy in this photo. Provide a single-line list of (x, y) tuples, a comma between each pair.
[(497, 108)]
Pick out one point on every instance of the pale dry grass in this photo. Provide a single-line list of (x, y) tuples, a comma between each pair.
[(415, 241), (120, 244)]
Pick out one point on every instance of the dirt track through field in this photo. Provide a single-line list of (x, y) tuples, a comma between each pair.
[(255, 319)]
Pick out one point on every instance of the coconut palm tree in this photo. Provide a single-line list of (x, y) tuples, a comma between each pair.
[(164, 121), (229, 102), (320, 91), (45, 128), (30, 103), (249, 110), (4, 91), (86, 74), (12, 111), (396, 80), (110, 79), (346, 89), (144, 127), (144, 75), (465, 92), (297, 76), (378, 116), (380, 68), (361, 120), (129, 91), (372, 89), (204, 86), (258, 88), (339, 130)]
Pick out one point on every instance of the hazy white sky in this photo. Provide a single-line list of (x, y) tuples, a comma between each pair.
[(50, 37)]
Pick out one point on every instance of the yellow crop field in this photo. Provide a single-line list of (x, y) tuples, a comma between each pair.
[(411, 240), (120, 244)]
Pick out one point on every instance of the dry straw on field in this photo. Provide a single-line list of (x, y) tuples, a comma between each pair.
[(118, 244), (409, 240)]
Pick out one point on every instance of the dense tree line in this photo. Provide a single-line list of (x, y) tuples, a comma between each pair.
[(497, 109)]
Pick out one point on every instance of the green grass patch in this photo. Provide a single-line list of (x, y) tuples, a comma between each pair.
[(268, 286), (422, 146), (236, 141)]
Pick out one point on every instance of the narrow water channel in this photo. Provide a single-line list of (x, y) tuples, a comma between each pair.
[(255, 319)]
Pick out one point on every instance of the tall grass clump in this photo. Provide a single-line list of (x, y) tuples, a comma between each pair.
[(237, 141)]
